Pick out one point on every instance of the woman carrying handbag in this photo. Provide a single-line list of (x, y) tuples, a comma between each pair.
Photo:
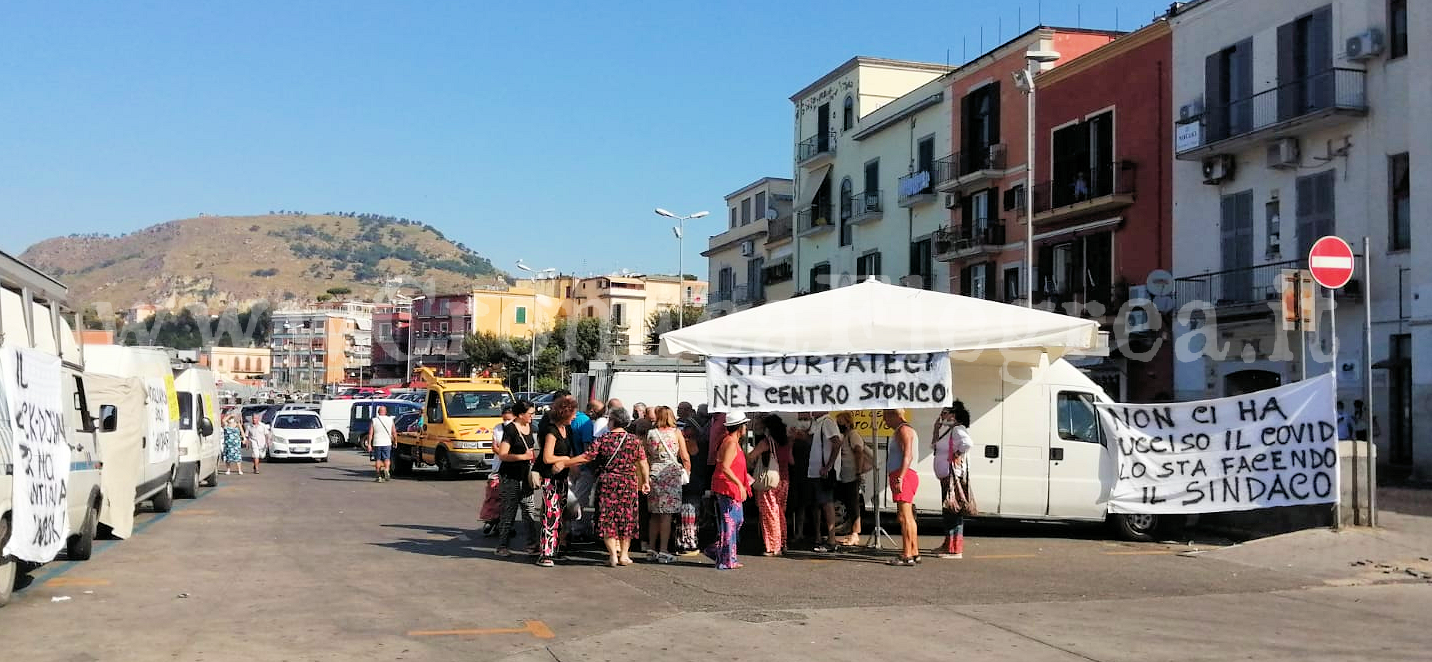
[(952, 443), (772, 453)]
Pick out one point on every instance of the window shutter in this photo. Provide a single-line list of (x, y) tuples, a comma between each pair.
[(1326, 204), (1289, 78), (1228, 233), (966, 124), (1215, 111), (993, 92), (1305, 210)]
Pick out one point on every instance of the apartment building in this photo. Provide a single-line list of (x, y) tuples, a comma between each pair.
[(836, 222), (246, 365), (981, 178), (1102, 204), (390, 346), (319, 347), (628, 301), (1293, 121), (737, 258)]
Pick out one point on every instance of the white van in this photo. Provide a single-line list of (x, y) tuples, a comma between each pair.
[(646, 379), (31, 318), (160, 460), (340, 416), (200, 433), (1039, 452)]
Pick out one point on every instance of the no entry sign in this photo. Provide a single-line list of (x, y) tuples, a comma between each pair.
[(1331, 262)]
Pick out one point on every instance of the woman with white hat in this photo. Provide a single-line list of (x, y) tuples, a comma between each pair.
[(731, 485)]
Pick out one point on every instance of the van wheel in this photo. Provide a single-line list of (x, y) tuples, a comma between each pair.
[(213, 479), (9, 568), (445, 468), (335, 438), (1136, 527), (402, 466), (81, 547), (164, 501), (190, 488)]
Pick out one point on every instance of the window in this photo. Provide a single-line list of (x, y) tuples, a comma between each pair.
[(1315, 209), (1228, 91), (733, 217), (618, 314), (1236, 246), (847, 120), (1078, 420), (925, 155), (1272, 236), (872, 178), (761, 206), (1397, 27), (520, 315), (976, 279), (590, 312), (922, 264), (867, 265), (1084, 160), (1399, 236), (755, 290), (427, 327), (726, 282), (1012, 290), (1305, 62), (78, 417), (442, 327), (186, 410), (820, 277), (745, 211), (978, 211), (979, 111), (847, 231)]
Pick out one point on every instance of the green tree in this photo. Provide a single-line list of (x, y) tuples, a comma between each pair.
[(661, 321), (581, 342), (339, 292)]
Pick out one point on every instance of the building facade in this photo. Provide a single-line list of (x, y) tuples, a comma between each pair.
[(1294, 121), (317, 348), (439, 325), (1102, 204), (390, 346), (737, 258), (246, 365), (629, 302)]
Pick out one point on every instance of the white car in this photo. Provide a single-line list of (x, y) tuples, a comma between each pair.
[(298, 433)]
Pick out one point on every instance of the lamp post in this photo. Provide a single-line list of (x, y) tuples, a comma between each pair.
[(288, 355), (680, 232), (1024, 80), (532, 322)]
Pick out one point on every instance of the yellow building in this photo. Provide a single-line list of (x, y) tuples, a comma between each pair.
[(237, 364)]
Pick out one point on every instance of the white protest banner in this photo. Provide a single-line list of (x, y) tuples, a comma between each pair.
[(1276, 447), (159, 437), (829, 383), (32, 413)]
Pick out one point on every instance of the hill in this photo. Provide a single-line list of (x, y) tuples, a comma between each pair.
[(222, 261)]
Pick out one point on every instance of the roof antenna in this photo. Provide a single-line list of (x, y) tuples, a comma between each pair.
[(999, 27), (1078, 16), (1018, 18), (981, 39), (947, 58), (964, 49), (1039, 9)]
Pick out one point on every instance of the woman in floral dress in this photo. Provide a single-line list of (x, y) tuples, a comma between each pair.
[(667, 455), (622, 472), (233, 446)]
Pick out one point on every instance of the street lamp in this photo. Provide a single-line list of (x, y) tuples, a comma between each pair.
[(1024, 80), (680, 232), (288, 358), (532, 323)]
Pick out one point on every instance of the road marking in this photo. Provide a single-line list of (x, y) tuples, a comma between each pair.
[(1155, 552), (195, 512), (76, 581), (537, 629), (1006, 556)]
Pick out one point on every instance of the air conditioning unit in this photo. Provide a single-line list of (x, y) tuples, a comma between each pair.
[(952, 201), (1365, 46), (1190, 111), (748, 248), (1283, 153), (1217, 169)]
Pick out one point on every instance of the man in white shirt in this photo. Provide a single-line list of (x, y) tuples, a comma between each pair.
[(380, 444), (825, 443)]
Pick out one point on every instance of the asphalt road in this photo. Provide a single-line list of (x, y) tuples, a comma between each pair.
[(317, 562)]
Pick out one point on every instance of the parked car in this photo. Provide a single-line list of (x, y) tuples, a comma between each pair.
[(408, 421), (298, 433)]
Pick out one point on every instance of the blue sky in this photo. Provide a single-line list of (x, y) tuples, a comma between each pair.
[(546, 132)]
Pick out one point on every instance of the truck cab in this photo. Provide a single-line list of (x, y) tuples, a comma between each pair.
[(459, 416)]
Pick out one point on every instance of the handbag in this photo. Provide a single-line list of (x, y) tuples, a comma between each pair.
[(671, 456), (573, 509), (767, 476), (534, 479), (959, 498)]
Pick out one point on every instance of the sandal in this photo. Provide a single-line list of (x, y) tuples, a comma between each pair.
[(665, 558), (545, 563), (503, 552), (626, 560), (612, 562), (902, 561), (826, 548)]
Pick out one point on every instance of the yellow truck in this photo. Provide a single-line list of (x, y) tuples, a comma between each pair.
[(455, 432)]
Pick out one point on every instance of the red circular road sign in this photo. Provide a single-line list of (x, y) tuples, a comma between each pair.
[(1331, 262)]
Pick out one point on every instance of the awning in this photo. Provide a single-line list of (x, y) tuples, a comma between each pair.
[(812, 185)]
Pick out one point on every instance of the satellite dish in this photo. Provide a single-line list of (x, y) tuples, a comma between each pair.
[(772, 213), (1159, 283)]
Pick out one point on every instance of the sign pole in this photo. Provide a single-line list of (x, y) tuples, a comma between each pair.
[(1302, 327), (1333, 328), (1367, 383)]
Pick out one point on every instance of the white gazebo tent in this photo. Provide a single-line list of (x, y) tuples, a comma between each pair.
[(873, 317), (877, 318)]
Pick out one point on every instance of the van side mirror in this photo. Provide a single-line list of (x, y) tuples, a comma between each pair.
[(206, 426), (108, 418)]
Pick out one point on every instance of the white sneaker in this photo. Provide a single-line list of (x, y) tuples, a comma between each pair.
[(226, 472), (241, 472)]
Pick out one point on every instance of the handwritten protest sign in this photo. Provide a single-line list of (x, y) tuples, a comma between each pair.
[(1276, 447), (828, 383), (159, 436), (32, 413)]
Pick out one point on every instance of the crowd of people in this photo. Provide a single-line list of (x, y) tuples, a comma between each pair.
[(585, 475)]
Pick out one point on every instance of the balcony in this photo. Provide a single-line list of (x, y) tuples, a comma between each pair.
[(1248, 291), (813, 220), (1319, 101), (1107, 187), (778, 273), (816, 151), (916, 189), (969, 240), (779, 230), (970, 170), (945, 173), (720, 296), (1096, 302), (863, 207)]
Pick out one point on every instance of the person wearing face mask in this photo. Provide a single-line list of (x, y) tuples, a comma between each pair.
[(951, 444), (849, 486)]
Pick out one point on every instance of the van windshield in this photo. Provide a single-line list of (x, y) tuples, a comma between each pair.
[(476, 404)]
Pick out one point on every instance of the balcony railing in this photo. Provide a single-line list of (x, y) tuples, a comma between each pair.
[(1254, 287), (813, 219), (778, 273), (917, 188), (720, 296), (1333, 92), (863, 206), (989, 157), (945, 172), (1100, 188), (815, 147), (779, 229), (968, 239)]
